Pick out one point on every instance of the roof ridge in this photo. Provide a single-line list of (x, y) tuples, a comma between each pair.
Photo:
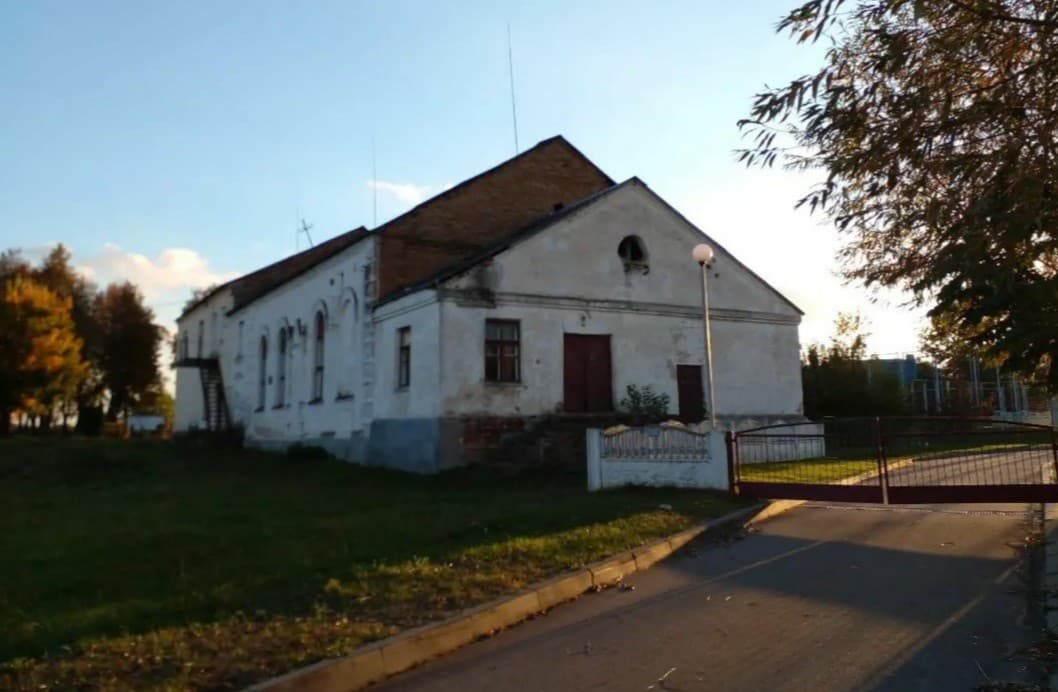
[(235, 283), (444, 193), (537, 225)]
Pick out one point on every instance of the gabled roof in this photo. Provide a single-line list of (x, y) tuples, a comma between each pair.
[(459, 187), (249, 287), (415, 225), (484, 209), (466, 264)]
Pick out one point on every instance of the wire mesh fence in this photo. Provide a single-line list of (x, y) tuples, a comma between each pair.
[(909, 459)]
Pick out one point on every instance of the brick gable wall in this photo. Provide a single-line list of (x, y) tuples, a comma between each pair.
[(482, 211)]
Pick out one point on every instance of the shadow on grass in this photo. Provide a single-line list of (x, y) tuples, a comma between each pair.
[(105, 538)]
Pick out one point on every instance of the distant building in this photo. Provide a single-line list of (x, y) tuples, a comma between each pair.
[(538, 287)]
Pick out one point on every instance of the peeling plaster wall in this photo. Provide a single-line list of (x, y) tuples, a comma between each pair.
[(570, 279), (337, 285)]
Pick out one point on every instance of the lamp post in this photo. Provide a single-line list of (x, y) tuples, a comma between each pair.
[(703, 255)]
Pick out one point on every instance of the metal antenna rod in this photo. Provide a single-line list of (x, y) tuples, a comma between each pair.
[(305, 227), (510, 66), (374, 186)]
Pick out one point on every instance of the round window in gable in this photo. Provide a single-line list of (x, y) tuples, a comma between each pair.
[(633, 253)]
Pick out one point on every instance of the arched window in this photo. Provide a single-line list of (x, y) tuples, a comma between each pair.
[(281, 368), (632, 253), (183, 346), (201, 337), (262, 373), (317, 356)]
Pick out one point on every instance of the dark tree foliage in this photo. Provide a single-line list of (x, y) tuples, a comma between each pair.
[(56, 272), (839, 380), (131, 341), (933, 124)]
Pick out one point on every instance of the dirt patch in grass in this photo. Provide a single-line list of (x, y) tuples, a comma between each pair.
[(155, 566)]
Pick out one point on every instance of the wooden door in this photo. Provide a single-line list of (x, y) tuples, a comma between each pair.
[(587, 375), (691, 393)]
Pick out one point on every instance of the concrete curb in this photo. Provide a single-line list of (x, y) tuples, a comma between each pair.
[(1050, 575), (381, 659)]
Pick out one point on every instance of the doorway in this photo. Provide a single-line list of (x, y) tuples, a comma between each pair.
[(690, 393), (587, 373)]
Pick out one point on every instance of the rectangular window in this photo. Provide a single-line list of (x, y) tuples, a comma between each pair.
[(403, 356), (503, 352)]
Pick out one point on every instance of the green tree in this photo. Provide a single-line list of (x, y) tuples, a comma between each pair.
[(839, 380), (56, 273), (130, 347), (39, 350), (933, 125)]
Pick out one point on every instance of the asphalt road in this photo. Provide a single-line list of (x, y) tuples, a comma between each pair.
[(820, 598), (1016, 466)]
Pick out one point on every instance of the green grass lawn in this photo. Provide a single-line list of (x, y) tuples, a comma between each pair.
[(806, 470), (151, 565)]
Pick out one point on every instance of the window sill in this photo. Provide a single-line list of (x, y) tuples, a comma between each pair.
[(259, 409), (313, 402), (403, 388), (496, 383), (344, 397), (278, 406)]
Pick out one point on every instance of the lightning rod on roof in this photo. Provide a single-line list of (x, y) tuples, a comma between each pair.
[(510, 69), (374, 186), (305, 228)]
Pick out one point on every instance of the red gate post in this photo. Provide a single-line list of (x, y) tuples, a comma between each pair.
[(1054, 454), (883, 467), (731, 451)]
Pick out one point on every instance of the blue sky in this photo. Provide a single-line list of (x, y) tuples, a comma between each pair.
[(177, 144)]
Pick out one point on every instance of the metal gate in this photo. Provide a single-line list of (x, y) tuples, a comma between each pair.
[(897, 461)]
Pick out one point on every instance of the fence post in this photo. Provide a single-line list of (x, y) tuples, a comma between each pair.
[(1054, 454), (883, 467), (732, 450), (594, 448)]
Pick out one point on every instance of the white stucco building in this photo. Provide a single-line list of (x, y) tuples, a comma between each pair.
[(539, 287)]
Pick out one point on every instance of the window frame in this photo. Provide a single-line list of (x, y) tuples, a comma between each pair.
[(282, 347), (635, 246), (403, 357), (319, 326), (262, 372), (514, 372)]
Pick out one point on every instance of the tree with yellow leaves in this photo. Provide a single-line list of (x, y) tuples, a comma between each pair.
[(40, 352)]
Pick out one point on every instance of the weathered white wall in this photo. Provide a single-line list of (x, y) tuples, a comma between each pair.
[(335, 285), (421, 312), (577, 256), (189, 410), (569, 278), (706, 470)]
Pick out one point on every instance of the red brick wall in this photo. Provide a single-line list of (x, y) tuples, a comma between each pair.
[(482, 211)]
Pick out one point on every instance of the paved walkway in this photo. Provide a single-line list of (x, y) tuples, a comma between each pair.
[(821, 598)]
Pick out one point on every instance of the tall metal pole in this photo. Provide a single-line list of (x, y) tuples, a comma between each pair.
[(708, 344)]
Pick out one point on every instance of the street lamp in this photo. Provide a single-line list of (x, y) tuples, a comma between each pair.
[(703, 255)]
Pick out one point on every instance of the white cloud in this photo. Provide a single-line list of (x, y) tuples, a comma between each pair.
[(409, 193), (174, 269), (166, 280)]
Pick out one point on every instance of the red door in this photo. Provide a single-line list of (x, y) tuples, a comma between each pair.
[(586, 373), (691, 394)]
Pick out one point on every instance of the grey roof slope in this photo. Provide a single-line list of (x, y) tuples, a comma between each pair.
[(249, 287)]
